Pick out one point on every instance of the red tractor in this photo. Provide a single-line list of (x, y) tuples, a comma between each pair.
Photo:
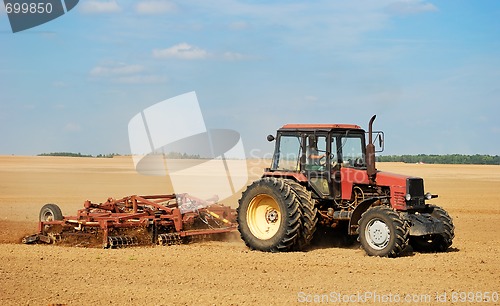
[(324, 175)]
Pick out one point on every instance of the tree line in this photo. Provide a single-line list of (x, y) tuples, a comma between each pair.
[(70, 154), (477, 159), (171, 155)]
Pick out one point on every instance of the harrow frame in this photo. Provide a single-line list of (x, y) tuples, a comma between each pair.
[(169, 219)]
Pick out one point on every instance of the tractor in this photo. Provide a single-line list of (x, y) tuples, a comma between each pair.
[(324, 176)]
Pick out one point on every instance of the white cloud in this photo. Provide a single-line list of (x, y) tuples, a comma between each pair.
[(99, 7), (141, 79), (408, 7), (182, 51), (239, 25), (186, 51), (234, 56), (59, 84), (29, 106), (59, 106), (125, 74), (113, 70), (72, 127), (155, 7), (311, 98), (313, 24)]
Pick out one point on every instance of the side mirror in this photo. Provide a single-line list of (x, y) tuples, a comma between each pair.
[(270, 138), (378, 141)]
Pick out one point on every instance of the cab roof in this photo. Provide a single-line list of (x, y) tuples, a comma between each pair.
[(320, 127)]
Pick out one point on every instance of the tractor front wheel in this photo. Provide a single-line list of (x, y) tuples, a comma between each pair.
[(382, 232), (269, 215), (436, 242)]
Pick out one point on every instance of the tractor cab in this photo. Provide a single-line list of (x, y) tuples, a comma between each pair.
[(316, 153)]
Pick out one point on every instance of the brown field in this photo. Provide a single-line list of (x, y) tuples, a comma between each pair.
[(227, 273)]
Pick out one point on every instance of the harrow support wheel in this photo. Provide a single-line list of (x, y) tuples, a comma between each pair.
[(50, 212), (382, 232), (269, 215)]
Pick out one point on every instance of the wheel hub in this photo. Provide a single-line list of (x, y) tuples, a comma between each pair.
[(48, 217), (378, 234), (263, 216), (272, 215)]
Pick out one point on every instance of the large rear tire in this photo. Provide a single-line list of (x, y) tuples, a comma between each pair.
[(308, 215), (382, 232), (269, 215), (436, 242)]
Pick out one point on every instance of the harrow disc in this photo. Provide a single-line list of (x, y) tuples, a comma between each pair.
[(121, 241)]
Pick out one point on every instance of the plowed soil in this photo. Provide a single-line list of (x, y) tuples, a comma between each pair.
[(227, 272)]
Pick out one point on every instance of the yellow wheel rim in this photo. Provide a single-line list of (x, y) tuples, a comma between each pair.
[(263, 217)]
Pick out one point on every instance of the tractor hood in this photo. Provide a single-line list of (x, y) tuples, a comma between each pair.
[(391, 179), (406, 191), (399, 186)]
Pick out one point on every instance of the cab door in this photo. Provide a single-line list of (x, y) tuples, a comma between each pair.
[(288, 153), (317, 163)]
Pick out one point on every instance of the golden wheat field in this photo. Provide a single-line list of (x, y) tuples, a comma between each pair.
[(226, 272)]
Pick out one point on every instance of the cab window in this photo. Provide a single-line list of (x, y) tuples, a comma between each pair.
[(352, 151), (316, 152), (289, 153)]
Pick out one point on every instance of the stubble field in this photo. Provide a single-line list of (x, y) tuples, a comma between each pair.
[(226, 272)]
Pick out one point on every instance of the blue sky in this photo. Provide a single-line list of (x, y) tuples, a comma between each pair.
[(430, 70)]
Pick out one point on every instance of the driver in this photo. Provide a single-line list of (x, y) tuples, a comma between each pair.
[(313, 156)]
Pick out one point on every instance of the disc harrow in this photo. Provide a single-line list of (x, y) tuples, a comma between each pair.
[(137, 220)]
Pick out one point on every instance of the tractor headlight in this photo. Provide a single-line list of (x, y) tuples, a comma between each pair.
[(428, 196), (408, 197)]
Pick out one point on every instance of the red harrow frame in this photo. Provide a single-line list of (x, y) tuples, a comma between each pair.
[(135, 220)]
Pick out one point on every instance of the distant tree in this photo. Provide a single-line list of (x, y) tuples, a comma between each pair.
[(70, 154), (476, 159), (178, 155)]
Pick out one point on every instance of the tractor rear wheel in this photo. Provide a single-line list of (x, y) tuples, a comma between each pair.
[(436, 242), (308, 215), (382, 232), (269, 215), (50, 212)]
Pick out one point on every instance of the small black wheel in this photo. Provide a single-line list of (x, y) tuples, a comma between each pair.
[(436, 242), (50, 212), (382, 232)]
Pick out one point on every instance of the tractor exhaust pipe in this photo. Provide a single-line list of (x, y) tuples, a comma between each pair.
[(370, 153)]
